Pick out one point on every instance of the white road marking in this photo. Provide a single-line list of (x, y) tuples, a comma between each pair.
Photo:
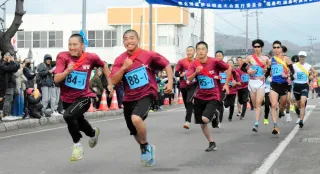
[(62, 127), (272, 158)]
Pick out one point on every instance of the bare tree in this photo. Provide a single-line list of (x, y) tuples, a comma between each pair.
[(5, 36)]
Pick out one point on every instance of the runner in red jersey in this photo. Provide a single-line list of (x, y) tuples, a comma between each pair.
[(73, 70), (136, 68), (208, 95), (243, 92), (230, 99), (187, 88)]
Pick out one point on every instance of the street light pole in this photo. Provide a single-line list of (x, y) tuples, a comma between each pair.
[(84, 16)]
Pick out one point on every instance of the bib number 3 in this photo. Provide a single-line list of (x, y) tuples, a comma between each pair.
[(137, 78), (76, 80)]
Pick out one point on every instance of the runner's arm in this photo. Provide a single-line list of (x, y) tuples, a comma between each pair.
[(169, 72), (289, 63), (117, 72), (60, 72), (267, 74), (245, 64), (315, 73)]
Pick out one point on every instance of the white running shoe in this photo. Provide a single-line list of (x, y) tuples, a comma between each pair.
[(298, 120), (288, 118)]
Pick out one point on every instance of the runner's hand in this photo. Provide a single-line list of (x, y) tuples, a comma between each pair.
[(183, 74), (70, 67), (251, 71), (198, 70), (284, 75), (110, 88), (127, 64), (168, 89), (234, 83), (226, 88)]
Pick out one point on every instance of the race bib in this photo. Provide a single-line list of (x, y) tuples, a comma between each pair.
[(137, 77), (302, 77), (205, 82), (76, 80), (245, 78), (259, 71), (185, 77), (277, 70), (223, 78)]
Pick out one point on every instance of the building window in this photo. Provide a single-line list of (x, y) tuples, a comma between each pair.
[(166, 35), (120, 30), (110, 38), (95, 38), (40, 39), (55, 39), (24, 39)]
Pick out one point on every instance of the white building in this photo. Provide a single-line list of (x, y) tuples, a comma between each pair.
[(49, 33)]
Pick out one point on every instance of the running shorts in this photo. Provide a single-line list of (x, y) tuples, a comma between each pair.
[(280, 88), (204, 108), (139, 107), (300, 90), (255, 85)]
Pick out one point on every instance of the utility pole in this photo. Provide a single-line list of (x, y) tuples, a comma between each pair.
[(257, 22), (311, 39), (84, 16), (202, 25), (140, 31), (150, 27), (247, 30)]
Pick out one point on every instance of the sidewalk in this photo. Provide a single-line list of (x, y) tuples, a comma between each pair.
[(31, 123)]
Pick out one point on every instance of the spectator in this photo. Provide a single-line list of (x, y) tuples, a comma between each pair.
[(30, 75), (120, 93), (96, 87), (105, 86), (33, 103), (7, 67), (46, 82), (18, 102)]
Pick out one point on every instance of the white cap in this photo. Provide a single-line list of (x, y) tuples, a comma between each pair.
[(302, 53)]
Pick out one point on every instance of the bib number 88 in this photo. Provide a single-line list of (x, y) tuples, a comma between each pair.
[(133, 79)]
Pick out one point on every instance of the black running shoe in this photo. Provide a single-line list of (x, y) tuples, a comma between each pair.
[(301, 123), (297, 111), (212, 147), (281, 114)]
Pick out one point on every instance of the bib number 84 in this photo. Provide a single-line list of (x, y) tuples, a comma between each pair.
[(71, 80)]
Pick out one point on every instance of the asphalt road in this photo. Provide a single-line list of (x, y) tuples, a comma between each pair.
[(47, 150)]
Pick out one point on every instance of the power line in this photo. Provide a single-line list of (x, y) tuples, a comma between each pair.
[(227, 21)]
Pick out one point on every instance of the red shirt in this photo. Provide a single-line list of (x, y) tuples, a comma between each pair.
[(151, 61), (241, 73), (68, 94), (233, 89), (182, 66), (213, 66)]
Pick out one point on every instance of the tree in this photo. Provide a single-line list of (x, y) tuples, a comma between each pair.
[(5, 36)]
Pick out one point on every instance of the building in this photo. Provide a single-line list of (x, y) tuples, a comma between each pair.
[(174, 29)]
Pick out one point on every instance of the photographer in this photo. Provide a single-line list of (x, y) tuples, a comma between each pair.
[(8, 66)]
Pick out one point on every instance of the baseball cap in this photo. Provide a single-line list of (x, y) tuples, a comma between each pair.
[(302, 53)]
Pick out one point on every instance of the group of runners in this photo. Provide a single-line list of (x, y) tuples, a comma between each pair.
[(208, 84)]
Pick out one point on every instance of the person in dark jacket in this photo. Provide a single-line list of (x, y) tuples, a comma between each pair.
[(33, 103), (8, 66), (46, 81)]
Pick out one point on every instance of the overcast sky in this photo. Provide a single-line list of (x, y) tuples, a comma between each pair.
[(293, 23)]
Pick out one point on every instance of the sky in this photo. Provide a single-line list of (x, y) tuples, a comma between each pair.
[(292, 23)]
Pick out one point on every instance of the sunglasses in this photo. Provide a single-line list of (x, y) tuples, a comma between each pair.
[(276, 47), (257, 46)]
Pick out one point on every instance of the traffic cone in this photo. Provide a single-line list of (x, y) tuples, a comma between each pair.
[(114, 103), (103, 104), (166, 101), (91, 109), (180, 99)]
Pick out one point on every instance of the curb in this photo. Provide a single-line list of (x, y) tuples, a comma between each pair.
[(31, 123)]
